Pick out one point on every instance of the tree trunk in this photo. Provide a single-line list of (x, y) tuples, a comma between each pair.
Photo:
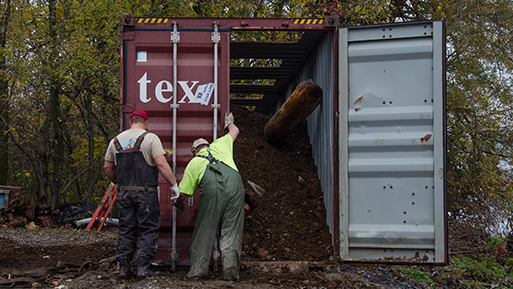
[(90, 153), (4, 99), (54, 108), (303, 101), (42, 161)]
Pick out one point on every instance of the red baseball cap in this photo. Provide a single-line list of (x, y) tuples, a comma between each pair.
[(140, 113)]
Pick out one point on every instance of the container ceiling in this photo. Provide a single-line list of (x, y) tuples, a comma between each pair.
[(292, 56)]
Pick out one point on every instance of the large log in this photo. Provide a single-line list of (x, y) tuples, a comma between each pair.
[(301, 103)]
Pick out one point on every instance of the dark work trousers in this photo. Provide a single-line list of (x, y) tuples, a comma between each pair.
[(221, 206), (139, 223)]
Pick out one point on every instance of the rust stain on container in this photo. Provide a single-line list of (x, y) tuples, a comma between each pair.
[(358, 99), (426, 138)]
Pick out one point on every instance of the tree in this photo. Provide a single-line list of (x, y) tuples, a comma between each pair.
[(62, 60), (4, 97), (94, 83), (60, 71), (480, 100)]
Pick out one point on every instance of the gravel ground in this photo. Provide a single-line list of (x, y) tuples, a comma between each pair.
[(55, 237), (68, 258)]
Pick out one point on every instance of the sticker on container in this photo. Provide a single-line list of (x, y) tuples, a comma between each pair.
[(203, 93), (141, 56)]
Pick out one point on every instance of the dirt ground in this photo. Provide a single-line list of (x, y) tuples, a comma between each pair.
[(70, 258), (285, 221)]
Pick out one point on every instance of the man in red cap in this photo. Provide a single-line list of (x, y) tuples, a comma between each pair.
[(133, 161)]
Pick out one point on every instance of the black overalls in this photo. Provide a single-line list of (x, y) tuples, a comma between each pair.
[(138, 203)]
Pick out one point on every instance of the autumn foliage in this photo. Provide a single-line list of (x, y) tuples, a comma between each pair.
[(59, 90)]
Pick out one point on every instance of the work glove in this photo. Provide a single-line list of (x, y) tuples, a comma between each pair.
[(179, 203), (175, 193), (228, 119)]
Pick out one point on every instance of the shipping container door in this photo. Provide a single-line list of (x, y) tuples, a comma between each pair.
[(391, 143), (165, 68)]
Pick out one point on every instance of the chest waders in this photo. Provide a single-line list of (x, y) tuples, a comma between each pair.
[(138, 205), (221, 207)]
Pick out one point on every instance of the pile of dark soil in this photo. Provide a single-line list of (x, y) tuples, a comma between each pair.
[(285, 213)]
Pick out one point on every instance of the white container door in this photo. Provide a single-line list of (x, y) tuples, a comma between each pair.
[(392, 143)]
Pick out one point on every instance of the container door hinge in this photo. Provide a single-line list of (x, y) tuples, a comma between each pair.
[(128, 108), (175, 35), (128, 36), (216, 36)]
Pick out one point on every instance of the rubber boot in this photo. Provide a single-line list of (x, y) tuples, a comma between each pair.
[(143, 268), (231, 274), (124, 270)]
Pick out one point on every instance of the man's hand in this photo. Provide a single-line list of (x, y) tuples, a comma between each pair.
[(180, 204), (228, 119), (175, 193)]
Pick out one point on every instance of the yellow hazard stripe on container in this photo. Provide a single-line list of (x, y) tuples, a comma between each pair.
[(152, 20), (307, 21)]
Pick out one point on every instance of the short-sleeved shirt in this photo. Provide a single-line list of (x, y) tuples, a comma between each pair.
[(221, 150), (151, 147)]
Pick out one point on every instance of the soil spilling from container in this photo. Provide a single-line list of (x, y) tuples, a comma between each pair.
[(285, 214)]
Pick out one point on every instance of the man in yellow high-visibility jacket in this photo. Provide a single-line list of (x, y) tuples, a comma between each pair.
[(221, 205)]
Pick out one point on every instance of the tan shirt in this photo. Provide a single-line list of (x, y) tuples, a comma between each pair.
[(151, 146)]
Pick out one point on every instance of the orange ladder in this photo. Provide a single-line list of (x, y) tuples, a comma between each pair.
[(103, 209)]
